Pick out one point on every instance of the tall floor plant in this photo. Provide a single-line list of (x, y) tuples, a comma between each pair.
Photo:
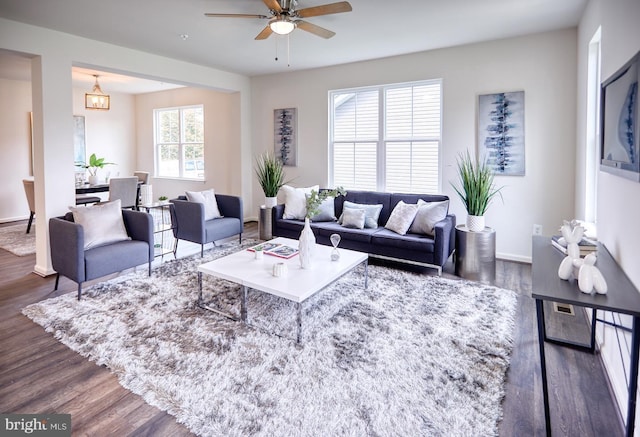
[(270, 173), (477, 188)]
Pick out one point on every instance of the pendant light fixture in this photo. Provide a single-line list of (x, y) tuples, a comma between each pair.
[(96, 99)]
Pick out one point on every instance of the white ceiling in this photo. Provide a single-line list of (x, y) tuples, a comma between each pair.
[(374, 28)]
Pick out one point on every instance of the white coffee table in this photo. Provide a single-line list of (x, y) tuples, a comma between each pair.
[(297, 285)]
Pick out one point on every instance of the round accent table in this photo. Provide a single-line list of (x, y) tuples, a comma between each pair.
[(476, 254)]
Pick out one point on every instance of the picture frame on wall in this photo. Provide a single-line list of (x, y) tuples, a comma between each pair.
[(501, 132), (285, 135)]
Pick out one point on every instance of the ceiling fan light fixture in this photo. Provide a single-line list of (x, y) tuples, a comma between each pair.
[(282, 26)]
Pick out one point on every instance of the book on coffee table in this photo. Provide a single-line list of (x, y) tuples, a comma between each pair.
[(275, 249)]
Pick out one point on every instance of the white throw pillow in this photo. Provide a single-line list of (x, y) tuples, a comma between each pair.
[(353, 218), (371, 213), (208, 198), (401, 217), (295, 201), (102, 223), (429, 213)]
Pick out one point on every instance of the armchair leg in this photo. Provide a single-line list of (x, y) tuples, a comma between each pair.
[(149, 267), (240, 238), (30, 221), (175, 248), (201, 250), (79, 290), (57, 280)]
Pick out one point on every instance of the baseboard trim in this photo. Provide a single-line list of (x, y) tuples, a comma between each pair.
[(43, 271), (512, 257)]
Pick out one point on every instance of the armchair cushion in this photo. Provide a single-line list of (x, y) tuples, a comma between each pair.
[(102, 223), (208, 199)]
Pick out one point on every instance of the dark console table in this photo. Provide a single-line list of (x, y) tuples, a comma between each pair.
[(622, 297)]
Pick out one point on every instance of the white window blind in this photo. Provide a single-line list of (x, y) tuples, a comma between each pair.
[(387, 138)]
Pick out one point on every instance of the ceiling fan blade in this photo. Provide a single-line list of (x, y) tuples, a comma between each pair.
[(312, 28), (266, 33), (273, 5), (331, 8), (235, 15)]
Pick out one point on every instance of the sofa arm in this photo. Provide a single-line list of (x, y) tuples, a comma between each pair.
[(188, 220), (444, 239), (139, 226), (230, 206), (66, 240)]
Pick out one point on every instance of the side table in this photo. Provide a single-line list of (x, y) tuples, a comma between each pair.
[(476, 254), (161, 224), (264, 223)]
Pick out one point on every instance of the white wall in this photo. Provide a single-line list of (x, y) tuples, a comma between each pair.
[(15, 148), (222, 140), (618, 210), (542, 65)]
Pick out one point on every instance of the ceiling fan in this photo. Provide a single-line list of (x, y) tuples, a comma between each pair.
[(285, 17)]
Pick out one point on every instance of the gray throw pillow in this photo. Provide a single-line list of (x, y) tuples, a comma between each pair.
[(353, 218), (372, 213), (429, 213), (101, 224), (326, 210), (401, 217)]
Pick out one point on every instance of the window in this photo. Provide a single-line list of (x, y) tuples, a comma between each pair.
[(592, 134), (179, 142), (386, 138)]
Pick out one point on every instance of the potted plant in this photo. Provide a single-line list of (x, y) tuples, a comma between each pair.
[(315, 199), (93, 166), (477, 189), (270, 174)]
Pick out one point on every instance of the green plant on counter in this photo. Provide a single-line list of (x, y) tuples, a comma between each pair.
[(95, 164)]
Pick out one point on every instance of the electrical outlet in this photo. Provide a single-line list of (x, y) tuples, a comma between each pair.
[(537, 229)]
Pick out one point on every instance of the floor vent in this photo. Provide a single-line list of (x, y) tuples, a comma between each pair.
[(563, 308)]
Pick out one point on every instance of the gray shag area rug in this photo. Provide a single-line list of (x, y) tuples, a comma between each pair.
[(16, 240), (412, 355)]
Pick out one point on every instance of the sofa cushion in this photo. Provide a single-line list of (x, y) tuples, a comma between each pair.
[(385, 237), (401, 217), (208, 199), (429, 213), (325, 229), (295, 201), (372, 213), (102, 223), (367, 198), (353, 218)]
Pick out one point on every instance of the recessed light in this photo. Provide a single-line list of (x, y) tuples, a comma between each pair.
[(184, 36)]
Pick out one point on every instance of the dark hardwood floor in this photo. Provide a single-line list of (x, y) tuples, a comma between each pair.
[(40, 375)]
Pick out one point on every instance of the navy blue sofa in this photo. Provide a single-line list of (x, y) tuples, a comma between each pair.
[(380, 242)]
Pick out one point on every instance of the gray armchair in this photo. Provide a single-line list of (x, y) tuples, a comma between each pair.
[(70, 259), (189, 223)]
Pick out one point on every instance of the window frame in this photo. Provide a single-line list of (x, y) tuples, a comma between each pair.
[(182, 143), (382, 138)]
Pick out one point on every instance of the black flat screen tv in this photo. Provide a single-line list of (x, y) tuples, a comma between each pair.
[(620, 122)]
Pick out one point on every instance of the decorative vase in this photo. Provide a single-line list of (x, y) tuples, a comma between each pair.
[(306, 244), (93, 180), (475, 223)]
